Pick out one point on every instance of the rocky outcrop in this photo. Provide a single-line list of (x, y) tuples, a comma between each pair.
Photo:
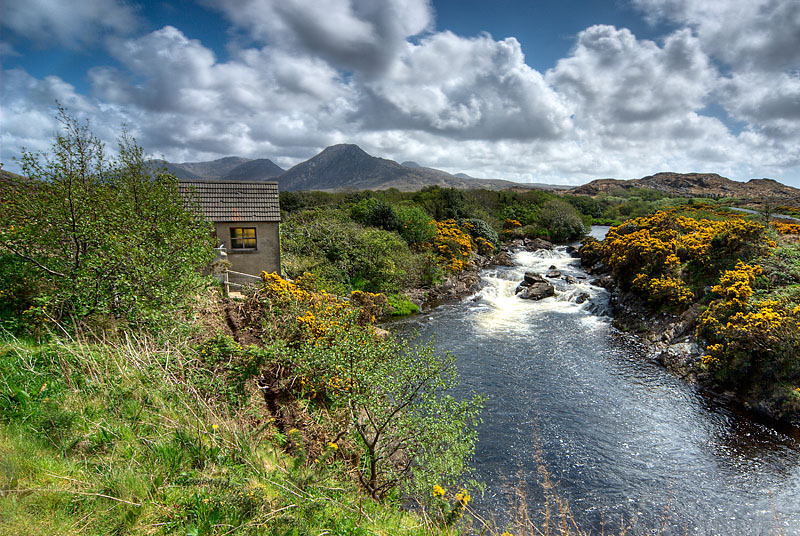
[(532, 244), (535, 287), (669, 338)]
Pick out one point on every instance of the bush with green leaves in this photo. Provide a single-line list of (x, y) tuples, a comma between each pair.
[(400, 305), (480, 229), (102, 236), (375, 212), (560, 220), (347, 255), (393, 396), (417, 227)]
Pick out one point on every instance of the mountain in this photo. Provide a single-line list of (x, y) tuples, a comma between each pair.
[(694, 185), (213, 169), (254, 170), (337, 168), (348, 167)]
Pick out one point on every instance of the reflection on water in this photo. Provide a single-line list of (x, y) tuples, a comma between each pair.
[(622, 437)]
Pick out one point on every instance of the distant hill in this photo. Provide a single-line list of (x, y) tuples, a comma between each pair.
[(254, 170), (348, 167), (694, 185), (342, 167)]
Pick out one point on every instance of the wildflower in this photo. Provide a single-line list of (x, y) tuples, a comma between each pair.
[(214, 426), (333, 446), (438, 491)]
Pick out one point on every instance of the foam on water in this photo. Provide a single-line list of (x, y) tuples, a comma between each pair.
[(499, 309)]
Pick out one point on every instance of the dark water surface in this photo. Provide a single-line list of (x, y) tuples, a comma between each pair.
[(621, 436)]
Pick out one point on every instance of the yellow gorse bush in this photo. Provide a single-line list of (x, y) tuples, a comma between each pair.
[(453, 245), (786, 228), (650, 254)]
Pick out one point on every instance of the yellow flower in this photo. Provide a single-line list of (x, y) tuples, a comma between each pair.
[(438, 491), (333, 446), (214, 426)]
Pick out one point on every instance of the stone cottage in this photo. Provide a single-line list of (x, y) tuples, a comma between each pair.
[(246, 216)]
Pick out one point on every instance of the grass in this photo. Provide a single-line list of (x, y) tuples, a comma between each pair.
[(108, 438)]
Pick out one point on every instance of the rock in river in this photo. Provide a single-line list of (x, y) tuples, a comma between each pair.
[(535, 287)]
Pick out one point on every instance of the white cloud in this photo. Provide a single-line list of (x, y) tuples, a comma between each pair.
[(354, 35), (756, 34), (466, 88), (617, 81), (70, 24), (770, 104)]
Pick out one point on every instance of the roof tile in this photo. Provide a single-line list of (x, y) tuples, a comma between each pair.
[(245, 201)]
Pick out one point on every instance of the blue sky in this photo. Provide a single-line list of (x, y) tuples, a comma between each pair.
[(544, 91)]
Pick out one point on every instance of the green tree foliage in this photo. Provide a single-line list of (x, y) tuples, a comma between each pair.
[(561, 220), (345, 255), (102, 236), (412, 434), (443, 203), (417, 227), (376, 213)]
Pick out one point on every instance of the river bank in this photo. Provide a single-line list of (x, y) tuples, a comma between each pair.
[(622, 437), (671, 340)]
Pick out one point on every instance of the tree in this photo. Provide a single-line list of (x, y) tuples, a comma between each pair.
[(104, 236), (561, 220), (412, 432)]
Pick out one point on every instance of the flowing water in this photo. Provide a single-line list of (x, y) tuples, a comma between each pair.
[(622, 438)]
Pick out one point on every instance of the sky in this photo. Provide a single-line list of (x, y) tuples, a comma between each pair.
[(554, 91)]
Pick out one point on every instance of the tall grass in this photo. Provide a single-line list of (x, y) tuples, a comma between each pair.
[(110, 438)]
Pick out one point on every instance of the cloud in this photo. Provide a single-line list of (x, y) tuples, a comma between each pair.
[(618, 83), (353, 35), (257, 101), (71, 24), (752, 34), (475, 88), (769, 105)]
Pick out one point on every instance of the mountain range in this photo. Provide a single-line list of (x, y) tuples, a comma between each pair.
[(347, 167), (337, 168)]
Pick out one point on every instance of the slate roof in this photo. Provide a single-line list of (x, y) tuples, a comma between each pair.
[(236, 200)]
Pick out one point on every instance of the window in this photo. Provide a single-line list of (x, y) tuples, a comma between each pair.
[(243, 238)]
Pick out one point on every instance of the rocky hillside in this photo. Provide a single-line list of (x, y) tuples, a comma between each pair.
[(228, 168), (694, 185), (348, 167), (337, 168)]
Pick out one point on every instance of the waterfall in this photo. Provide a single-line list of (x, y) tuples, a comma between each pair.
[(501, 308)]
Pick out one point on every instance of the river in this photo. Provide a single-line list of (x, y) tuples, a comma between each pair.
[(622, 438)]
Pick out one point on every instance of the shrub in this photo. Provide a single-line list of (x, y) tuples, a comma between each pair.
[(376, 213), (400, 305), (480, 229), (416, 226), (560, 220), (103, 237)]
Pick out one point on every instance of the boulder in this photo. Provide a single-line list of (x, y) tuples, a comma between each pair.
[(582, 297), (532, 244), (572, 251), (502, 259), (605, 282), (537, 291), (553, 274), (570, 280), (535, 287)]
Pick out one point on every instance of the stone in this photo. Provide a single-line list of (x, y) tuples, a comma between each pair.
[(553, 274), (537, 291), (532, 244)]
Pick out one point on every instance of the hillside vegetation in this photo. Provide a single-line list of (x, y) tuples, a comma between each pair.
[(740, 281)]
